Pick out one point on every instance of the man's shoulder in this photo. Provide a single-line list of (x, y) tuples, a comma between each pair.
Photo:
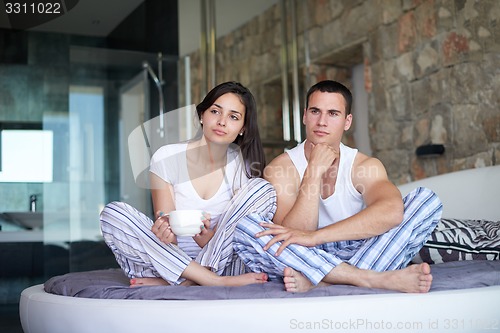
[(367, 167), (280, 166), (363, 160), (281, 159)]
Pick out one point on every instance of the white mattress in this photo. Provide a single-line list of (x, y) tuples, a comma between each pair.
[(441, 311)]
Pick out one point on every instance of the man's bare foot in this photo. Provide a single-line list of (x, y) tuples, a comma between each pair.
[(412, 279), (139, 282), (295, 281), (243, 280)]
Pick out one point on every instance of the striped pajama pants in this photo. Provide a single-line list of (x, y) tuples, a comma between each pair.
[(389, 251), (140, 253)]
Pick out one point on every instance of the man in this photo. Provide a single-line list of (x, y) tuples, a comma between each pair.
[(339, 219)]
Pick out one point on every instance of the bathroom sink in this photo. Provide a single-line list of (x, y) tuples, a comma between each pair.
[(28, 220)]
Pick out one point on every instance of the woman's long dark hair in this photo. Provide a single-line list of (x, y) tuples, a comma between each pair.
[(249, 143)]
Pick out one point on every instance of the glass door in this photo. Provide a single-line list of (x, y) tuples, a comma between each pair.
[(92, 166), (134, 111), (73, 201)]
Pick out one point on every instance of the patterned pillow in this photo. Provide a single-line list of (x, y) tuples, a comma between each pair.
[(458, 239)]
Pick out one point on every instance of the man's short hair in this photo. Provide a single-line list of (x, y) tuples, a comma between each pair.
[(331, 86)]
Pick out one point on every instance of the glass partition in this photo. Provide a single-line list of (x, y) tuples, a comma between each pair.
[(69, 138), (110, 94)]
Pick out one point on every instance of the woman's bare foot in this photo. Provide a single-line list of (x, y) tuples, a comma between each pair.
[(296, 281), (139, 282), (243, 280), (188, 283), (204, 277)]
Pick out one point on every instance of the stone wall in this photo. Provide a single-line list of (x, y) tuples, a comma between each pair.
[(432, 72)]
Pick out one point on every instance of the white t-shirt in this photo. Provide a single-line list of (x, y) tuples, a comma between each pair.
[(169, 163)]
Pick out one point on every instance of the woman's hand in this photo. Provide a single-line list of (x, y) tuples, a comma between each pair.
[(161, 228), (206, 233), (286, 236)]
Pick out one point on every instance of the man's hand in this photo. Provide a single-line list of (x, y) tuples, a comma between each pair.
[(322, 157), (286, 236)]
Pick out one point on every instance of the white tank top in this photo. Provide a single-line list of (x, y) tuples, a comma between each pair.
[(346, 200)]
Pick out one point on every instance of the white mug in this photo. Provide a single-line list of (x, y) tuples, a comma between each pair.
[(186, 222)]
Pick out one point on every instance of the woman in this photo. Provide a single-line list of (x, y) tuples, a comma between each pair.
[(218, 173)]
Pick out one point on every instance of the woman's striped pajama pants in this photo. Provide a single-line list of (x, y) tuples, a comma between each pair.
[(140, 253)]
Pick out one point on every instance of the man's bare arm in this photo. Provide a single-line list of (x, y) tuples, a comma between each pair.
[(281, 173), (297, 203), (384, 206)]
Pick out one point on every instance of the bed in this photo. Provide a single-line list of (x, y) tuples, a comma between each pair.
[(465, 296)]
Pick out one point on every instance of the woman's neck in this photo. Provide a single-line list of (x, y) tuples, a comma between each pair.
[(208, 153)]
